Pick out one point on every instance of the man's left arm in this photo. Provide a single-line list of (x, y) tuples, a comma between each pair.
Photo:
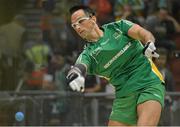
[(139, 33)]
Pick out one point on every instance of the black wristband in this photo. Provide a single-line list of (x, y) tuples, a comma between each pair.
[(75, 71), (71, 77), (145, 47), (82, 68)]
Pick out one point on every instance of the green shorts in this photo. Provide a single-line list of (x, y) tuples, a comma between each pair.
[(124, 108)]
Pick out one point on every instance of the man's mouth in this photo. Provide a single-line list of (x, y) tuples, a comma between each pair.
[(81, 32)]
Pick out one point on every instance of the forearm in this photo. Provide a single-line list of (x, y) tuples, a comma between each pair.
[(96, 88), (177, 26), (141, 34), (146, 36)]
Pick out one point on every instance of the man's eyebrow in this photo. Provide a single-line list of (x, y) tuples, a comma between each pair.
[(80, 17), (83, 16)]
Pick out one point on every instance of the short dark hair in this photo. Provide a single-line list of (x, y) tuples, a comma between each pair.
[(87, 10), (163, 8)]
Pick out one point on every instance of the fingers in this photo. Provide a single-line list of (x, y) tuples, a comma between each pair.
[(150, 50), (76, 87), (151, 53), (72, 85), (82, 89), (76, 79), (152, 46), (154, 54)]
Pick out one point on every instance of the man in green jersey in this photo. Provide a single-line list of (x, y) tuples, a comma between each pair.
[(115, 51)]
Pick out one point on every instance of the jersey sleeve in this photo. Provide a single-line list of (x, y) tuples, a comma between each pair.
[(124, 25), (85, 60)]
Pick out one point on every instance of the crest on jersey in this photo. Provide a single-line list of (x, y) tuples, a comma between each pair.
[(117, 34)]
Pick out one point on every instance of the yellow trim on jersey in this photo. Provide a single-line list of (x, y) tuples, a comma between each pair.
[(104, 77), (156, 71)]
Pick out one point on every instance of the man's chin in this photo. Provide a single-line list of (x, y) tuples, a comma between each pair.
[(84, 36)]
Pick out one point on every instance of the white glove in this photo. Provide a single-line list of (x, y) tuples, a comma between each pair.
[(76, 80), (149, 50)]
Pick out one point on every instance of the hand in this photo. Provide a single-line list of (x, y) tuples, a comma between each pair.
[(149, 50), (170, 17), (76, 80)]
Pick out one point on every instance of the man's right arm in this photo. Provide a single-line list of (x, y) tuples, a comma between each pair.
[(146, 37), (76, 77)]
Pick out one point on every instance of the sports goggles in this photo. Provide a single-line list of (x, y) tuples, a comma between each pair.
[(79, 21)]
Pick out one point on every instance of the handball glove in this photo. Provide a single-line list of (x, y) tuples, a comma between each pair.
[(149, 50), (75, 79)]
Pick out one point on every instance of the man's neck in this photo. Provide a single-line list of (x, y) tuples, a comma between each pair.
[(97, 34)]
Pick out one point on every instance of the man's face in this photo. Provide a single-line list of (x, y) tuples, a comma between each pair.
[(38, 37), (57, 61), (81, 23), (163, 14)]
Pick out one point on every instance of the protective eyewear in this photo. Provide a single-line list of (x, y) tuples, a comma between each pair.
[(78, 22)]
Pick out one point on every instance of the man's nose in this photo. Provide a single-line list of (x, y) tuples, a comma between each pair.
[(77, 27)]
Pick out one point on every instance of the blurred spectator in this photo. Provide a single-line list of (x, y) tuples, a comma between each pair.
[(37, 54), (55, 80), (162, 3), (47, 5), (176, 9), (62, 5), (150, 6), (136, 4), (92, 84), (63, 37), (58, 34), (104, 10), (163, 26), (9, 9), (161, 63), (45, 25), (129, 14), (12, 37), (119, 5)]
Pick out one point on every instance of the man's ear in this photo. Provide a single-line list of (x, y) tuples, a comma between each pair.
[(94, 18)]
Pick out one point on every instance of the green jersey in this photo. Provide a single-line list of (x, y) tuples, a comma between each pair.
[(119, 58)]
